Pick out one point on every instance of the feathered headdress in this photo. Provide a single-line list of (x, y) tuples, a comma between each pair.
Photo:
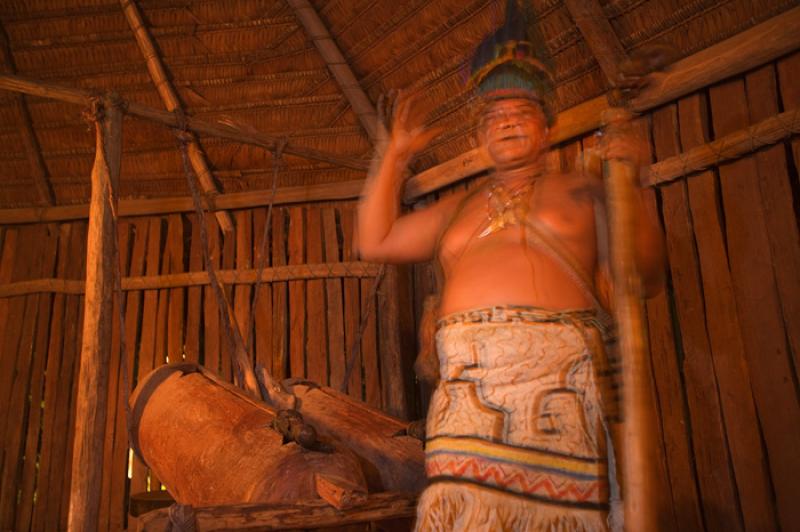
[(513, 63)]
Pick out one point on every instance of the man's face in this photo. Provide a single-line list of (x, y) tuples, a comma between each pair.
[(513, 131)]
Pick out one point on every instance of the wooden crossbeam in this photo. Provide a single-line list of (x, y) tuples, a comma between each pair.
[(303, 515), (738, 144), (33, 151), (754, 47), (338, 66), (293, 272), (346, 190), (731, 146), (214, 129), (599, 36), (155, 66)]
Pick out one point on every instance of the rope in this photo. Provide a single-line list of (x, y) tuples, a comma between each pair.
[(222, 303), (354, 347), (277, 164), (182, 518)]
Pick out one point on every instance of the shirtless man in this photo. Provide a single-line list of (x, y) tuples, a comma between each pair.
[(498, 268), (516, 428)]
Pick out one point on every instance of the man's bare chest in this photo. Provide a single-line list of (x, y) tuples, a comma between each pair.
[(565, 213)]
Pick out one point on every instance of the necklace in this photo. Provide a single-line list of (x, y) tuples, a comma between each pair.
[(505, 207)]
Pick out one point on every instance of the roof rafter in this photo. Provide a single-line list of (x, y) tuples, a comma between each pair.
[(338, 66), (599, 35), (203, 127), (33, 151), (170, 98)]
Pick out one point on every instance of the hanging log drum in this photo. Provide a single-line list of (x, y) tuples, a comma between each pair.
[(390, 459), (211, 444)]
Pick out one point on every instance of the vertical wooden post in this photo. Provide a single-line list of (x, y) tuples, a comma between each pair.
[(91, 406), (638, 446)]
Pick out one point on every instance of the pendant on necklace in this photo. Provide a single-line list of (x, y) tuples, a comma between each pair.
[(504, 209), (500, 221)]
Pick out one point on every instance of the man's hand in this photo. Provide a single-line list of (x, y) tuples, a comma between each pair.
[(408, 132), (619, 143)]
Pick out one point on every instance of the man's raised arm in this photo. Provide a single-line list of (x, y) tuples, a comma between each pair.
[(383, 234)]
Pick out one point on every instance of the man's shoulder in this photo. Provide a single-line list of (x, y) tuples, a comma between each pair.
[(575, 184)]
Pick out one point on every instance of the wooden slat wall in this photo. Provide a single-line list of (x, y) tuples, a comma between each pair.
[(302, 329), (725, 334)]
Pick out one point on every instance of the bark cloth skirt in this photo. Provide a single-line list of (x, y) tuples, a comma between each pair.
[(515, 434)]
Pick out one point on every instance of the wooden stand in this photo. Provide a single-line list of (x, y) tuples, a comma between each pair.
[(303, 515)]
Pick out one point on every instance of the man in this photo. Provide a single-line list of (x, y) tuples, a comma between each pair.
[(516, 432)]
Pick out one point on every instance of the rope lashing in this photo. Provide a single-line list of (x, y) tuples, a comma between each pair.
[(277, 166), (354, 347)]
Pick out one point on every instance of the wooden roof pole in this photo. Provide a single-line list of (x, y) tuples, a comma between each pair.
[(751, 48), (338, 66), (101, 271), (158, 74), (599, 35), (214, 129), (32, 150)]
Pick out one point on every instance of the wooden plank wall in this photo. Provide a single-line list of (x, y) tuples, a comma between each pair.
[(725, 334), (301, 329)]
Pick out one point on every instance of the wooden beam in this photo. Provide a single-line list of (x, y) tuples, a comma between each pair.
[(32, 150), (765, 133), (754, 47), (101, 271), (338, 66), (345, 190), (599, 35), (306, 514), (158, 74), (214, 129), (293, 272), (731, 146)]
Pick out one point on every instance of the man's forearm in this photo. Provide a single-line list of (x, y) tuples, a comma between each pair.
[(380, 202)]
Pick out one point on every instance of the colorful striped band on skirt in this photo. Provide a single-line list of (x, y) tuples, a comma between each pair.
[(538, 474)]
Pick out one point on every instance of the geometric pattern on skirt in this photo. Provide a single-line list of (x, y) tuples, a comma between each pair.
[(534, 473)]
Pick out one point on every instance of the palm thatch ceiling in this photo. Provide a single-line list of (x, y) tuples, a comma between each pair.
[(253, 62)]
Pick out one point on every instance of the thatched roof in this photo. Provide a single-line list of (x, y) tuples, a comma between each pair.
[(252, 61)]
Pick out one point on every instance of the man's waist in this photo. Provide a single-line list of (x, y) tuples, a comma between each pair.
[(525, 314)]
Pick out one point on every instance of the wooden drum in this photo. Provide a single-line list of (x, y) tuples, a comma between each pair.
[(211, 444)]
